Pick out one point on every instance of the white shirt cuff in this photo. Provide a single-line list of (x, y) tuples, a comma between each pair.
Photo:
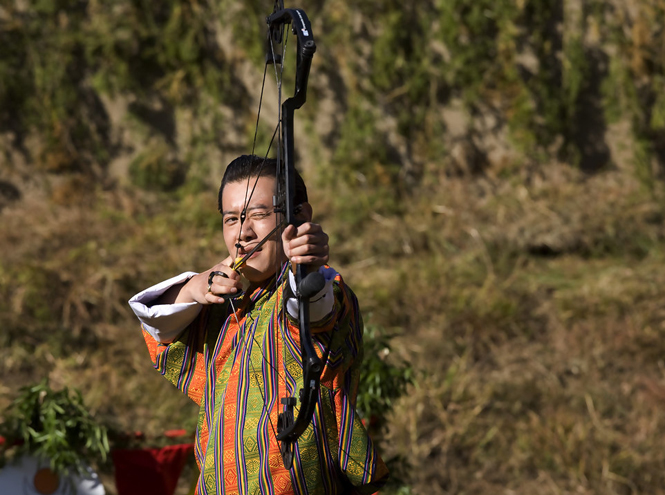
[(321, 304), (164, 321)]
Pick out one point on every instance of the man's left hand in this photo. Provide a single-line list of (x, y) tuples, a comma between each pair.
[(307, 244)]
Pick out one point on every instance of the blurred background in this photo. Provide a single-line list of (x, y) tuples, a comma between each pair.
[(490, 173)]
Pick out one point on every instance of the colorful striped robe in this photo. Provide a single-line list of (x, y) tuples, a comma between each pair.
[(238, 367)]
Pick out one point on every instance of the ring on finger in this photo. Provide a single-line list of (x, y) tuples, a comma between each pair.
[(211, 276)]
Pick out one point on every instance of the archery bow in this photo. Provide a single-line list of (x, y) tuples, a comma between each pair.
[(308, 284), (290, 426)]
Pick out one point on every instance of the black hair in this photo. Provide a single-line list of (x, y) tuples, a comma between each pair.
[(247, 167)]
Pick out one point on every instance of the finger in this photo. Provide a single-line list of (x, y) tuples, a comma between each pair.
[(309, 250), (289, 233), (309, 228), (309, 238), (308, 242), (221, 289), (213, 299), (221, 285), (311, 257), (225, 269), (310, 260)]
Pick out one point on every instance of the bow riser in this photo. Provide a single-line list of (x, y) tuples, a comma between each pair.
[(308, 284)]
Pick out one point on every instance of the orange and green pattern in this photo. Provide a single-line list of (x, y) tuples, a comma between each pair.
[(238, 366)]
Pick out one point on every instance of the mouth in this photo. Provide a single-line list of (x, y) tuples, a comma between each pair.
[(243, 251), (246, 248)]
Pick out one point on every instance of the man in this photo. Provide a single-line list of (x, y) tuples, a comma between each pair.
[(237, 357)]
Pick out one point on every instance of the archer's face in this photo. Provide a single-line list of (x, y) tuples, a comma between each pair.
[(260, 220)]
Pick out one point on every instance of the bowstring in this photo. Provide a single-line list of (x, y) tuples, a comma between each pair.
[(256, 132), (278, 82), (258, 113)]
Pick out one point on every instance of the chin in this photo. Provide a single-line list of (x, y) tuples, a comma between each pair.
[(256, 274)]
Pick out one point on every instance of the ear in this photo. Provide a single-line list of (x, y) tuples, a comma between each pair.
[(305, 213)]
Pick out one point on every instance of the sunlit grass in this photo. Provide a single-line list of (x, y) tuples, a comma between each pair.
[(530, 312), (533, 315)]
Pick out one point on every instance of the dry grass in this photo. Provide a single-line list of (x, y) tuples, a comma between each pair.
[(531, 307)]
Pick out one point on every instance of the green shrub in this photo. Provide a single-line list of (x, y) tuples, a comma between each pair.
[(53, 425)]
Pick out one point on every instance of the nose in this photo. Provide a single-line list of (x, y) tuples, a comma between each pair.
[(246, 231)]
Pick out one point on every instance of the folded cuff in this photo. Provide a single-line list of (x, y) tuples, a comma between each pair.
[(164, 321)]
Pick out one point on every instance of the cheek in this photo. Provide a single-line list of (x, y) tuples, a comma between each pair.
[(229, 240), (273, 250), (278, 251)]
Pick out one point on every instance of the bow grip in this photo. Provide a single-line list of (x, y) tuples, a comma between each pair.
[(311, 284)]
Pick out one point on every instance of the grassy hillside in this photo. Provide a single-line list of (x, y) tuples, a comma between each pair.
[(490, 174)]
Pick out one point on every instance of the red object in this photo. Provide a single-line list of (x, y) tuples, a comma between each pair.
[(17, 441), (175, 433), (149, 471)]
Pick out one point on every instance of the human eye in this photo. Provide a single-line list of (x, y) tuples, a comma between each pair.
[(260, 214), (230, 219)]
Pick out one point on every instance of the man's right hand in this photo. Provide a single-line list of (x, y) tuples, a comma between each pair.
[(196, 289)]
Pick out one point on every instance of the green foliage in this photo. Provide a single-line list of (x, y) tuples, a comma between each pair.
[(657, 122), (520, 61), (503, 59), (381, 382), (618, 91), (553, 107), (154, 169), (362, 149), (575, 75), (43, 87), (62, 57), (248, 26), (633, 87), (165, 48), (643, 161), (473, 31), (55, 425)]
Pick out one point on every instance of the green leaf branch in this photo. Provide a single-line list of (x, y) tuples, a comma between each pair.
[(53, 425)]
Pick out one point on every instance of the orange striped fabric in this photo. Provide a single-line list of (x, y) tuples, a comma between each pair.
[(239, 365)]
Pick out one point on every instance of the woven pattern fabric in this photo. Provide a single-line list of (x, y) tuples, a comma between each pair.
[(238, 365)]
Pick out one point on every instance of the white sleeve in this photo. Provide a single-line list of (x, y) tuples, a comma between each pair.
[(164, 321), (321, 304)]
